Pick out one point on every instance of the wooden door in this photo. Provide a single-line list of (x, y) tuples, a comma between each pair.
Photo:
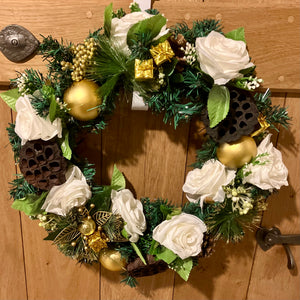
[(155, 158)]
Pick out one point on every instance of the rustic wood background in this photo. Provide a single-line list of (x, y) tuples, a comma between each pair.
[(155, 158)]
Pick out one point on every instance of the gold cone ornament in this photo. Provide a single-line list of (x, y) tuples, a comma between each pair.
[(236, 154), (82, 100), (111, 260)]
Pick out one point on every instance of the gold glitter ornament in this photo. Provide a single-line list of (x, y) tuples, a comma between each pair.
[(97, 241), (111, 260), (87, 226), (82, 100), (236, 154)]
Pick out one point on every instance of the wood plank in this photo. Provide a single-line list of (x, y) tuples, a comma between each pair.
[(271, 278), (13, 278), (271, 28), (152, 157)]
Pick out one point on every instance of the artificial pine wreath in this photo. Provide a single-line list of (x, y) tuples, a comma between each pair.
[(182, 72)]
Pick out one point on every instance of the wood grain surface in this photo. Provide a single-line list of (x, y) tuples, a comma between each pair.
[(155, 159)]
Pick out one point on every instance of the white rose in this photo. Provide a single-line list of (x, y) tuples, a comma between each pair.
[(222, 58), (273, 173), (73, 193), (208, 182), (120, 28), (183, 234), (131, 210), (30, 126)]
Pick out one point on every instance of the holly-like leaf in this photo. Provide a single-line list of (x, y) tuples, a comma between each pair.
[(237, 34), (117, 180), (183, 267), (150, 27), (10, 97), (167, 255), (218, 104), (31, 204), (107, 19)]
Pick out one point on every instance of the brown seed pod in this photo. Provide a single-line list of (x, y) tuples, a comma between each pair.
[(241, 119), (42, 164), (138, 269)]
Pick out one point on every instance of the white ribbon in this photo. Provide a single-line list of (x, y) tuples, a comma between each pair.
[(138, 101)]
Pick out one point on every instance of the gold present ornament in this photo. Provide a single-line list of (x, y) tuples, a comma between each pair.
[(143, 69), (162, 53)]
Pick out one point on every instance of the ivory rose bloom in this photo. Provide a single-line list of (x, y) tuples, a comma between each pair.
[(273, 173), (120, 28), (222, 58), (208, 182), (73, 193), (183, 234), (30, 126), (131, 210)]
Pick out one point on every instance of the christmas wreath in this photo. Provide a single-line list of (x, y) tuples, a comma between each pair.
[(181, 72)]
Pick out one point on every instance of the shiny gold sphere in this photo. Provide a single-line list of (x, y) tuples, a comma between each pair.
[(236, 154), (111, 260), (87, 226), (81, 98)]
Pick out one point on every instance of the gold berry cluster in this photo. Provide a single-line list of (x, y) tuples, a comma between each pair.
[(83, 55)]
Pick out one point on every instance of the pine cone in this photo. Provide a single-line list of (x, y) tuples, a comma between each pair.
[(207, 247), (138, 269), (42, 164), (241, 119)]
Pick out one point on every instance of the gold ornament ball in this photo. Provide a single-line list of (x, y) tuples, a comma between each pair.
[(87, 226), (111, 260), (236, 154), (81, 97)]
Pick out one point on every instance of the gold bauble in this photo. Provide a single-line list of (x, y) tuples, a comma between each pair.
[(236, 154), (111, 260), (81, 98), (87, 226)]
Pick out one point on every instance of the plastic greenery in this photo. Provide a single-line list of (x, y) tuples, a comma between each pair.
[(165, 71)]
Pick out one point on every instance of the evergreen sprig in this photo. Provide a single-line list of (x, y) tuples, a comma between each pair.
[(14, 140), (199, 29), (141, 45), (206, 152), (54, 52), (274, 114), (20, 188)]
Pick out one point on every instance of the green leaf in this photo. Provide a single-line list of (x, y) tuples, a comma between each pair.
[(218, 104), (150, 26), (237, 34), (52, 109), (154, 247), (10, 97), (31, 204), (175, 212), (138, 252), (183, 267), (65, 147), (167, 255), (117, 180), (107, 19), (125, 233), (101, 199)]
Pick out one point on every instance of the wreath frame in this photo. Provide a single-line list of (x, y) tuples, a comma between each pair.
[(60, 78)]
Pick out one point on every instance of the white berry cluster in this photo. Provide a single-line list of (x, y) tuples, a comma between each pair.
[(252, 83), (189, 53), (21, 84)]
